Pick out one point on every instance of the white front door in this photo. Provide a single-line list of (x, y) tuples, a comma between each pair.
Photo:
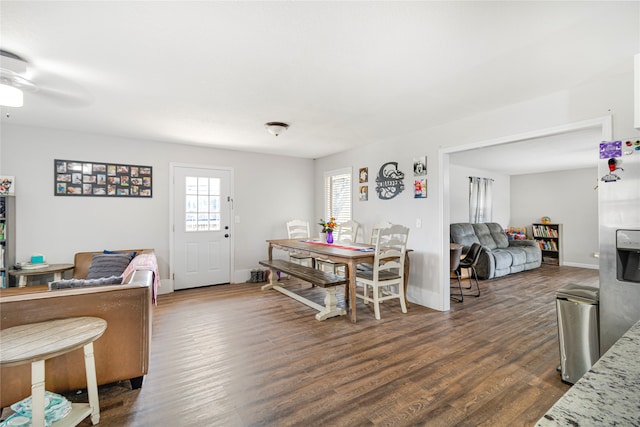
[(201, 229)]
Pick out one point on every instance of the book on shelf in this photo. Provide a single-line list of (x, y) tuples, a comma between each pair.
[(545, 231), (548, 245)]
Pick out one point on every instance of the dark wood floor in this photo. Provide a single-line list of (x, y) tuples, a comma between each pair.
[(234, 355)]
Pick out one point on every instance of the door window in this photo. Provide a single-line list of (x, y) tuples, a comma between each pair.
[(202, 204)]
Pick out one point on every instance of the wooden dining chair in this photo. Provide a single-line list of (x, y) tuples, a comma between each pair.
[(388, 269), (346, 233), (298, 229)]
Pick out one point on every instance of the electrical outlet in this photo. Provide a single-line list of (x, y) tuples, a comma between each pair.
[(418, 222)]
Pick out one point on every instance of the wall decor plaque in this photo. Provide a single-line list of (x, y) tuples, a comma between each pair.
[(389, 182), (101, 179)]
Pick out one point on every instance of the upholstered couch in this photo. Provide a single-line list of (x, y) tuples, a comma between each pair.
[(500, 256), (121, 353)]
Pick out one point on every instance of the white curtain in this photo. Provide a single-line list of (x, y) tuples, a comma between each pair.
[(480, 199)]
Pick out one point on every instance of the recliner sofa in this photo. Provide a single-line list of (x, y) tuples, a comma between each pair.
[(500, 256)]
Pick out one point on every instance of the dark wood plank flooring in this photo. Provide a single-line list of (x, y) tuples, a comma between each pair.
[(234, 355)]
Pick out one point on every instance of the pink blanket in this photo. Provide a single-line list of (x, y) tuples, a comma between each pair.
[(146, 262)]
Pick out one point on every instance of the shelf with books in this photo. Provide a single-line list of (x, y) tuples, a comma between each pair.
[(549, 238), (7, 237)]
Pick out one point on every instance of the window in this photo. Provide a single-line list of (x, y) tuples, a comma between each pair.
[(202, 203), (337, 192), (480, 199)]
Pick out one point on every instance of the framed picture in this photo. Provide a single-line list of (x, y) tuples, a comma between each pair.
[(363, 194), (7, 185), (420, 166), (363, 175), (420, 189), (101, 179)]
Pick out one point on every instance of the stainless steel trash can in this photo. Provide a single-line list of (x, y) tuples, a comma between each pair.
[(578, 330)]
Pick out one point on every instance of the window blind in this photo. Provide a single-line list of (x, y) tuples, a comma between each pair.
[(338, 195)]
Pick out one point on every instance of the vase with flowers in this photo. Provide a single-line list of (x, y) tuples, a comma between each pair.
[(328, 227)]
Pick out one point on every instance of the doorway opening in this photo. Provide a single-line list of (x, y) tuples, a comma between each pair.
[(602, 126)]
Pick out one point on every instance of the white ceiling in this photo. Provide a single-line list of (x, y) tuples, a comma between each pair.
[(342, 74)]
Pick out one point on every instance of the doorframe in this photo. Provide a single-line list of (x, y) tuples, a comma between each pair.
[(172, 183), (605, 123)]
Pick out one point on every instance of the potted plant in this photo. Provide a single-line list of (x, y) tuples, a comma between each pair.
[(328, 227)]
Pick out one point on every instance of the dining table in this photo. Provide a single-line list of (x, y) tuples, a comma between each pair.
[(350, 254)]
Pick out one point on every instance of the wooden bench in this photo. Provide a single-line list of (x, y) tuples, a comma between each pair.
[(322, 279)]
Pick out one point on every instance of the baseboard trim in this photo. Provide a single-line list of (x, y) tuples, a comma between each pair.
[(580, 265)]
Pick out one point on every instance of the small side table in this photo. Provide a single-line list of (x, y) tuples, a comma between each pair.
[(36, 342), (56, 269)]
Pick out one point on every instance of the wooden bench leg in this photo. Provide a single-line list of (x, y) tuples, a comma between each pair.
[(273, 280), (330, 306)]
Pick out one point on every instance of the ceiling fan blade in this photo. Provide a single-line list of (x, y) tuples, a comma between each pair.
[(16, 71), (67, 96)]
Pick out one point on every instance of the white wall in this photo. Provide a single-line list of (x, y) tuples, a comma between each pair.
[(269, 190), (428, 282), (568, 198), (459, 194)]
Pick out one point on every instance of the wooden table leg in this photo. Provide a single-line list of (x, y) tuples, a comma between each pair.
[(273, 279), (37, 393), (92, 383), (352, 288)]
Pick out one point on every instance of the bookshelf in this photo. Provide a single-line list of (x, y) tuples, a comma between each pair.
[(549, 238), (7, 237)]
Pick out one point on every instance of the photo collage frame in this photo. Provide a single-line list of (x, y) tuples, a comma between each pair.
[(101, 179)]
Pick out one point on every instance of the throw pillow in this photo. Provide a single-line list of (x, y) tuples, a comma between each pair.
[(79, 283), (107, 265), (132, 255)]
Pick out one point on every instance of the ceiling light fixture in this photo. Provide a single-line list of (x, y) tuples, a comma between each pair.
[(13, 70), (276, 128), (10, 96)]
